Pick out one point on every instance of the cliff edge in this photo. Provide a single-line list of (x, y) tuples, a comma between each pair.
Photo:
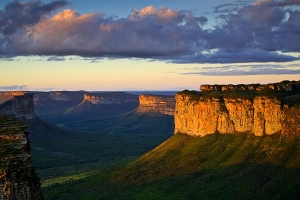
[(18, 179), (199, 114), (17, 104)]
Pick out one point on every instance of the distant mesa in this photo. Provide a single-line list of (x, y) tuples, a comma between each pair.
[(105, 98), (156, 104), (99, 103), (58, 96), (17, 104)]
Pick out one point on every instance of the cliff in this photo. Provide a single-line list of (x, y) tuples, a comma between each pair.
[(100, 103), (156, 104), (107, 98), (17, 104), (198, 114), (18, 179), (58, 96)]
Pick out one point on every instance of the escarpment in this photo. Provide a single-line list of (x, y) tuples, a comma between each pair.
[(156, 104), (106, 98), (105, 103), (18, 179), (200, 114), (17, 104)]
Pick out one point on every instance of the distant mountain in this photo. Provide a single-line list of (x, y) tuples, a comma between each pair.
[(53, 102), (73, 106), (153, 116), (104, 103)]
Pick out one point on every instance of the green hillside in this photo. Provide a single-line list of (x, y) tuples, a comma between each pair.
[(212, 167), (129, 123), (64, 156)]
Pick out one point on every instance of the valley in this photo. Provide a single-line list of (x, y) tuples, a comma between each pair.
[(225, 142)]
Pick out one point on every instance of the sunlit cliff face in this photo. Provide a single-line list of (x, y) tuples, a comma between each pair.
[(261, 113), (156, 104)]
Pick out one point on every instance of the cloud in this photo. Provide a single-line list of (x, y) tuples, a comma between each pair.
[(244, 70), (55, 58), (147, 33), (14, 87), (246, 33), (17, 15)]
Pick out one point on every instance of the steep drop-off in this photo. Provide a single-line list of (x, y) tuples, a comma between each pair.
[(262, 116), (156, 104), (199, 114), (17, 104), (18, 179), (105, 103)]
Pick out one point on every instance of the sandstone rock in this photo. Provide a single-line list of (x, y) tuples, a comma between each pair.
[(17, 104), (118, 98), (260, 116), (156, 104), (18, 179)]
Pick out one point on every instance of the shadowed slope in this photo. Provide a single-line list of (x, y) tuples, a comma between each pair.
[(214, 167)]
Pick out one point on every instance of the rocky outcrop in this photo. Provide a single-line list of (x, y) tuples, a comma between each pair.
[(282, 86), (100, 103), (17, 104), (156, 104), (260, 116), (18, 179), (117, 98), (58, 96)]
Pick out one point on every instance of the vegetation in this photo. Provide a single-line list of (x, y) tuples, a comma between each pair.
[(212, 167), (286, 97), (9, 129)]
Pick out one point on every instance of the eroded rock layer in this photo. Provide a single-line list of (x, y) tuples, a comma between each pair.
[(156, 104), (260, 116), (18, 179), (17, 104)]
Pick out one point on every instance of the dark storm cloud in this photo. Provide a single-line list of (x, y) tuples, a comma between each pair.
[(17, 14), (246, 33), (14, 87)]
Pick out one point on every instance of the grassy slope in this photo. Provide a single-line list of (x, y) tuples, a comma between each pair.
[(63, 156), (129, 123), (216, 167), (212, 167)]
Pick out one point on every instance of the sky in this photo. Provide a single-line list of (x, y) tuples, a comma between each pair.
[(147, 45)]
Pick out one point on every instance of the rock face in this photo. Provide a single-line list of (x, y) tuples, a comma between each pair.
[(156, 104), (117, 98), (105, 103), (18, 179), (58, 96), (17, 104), (259, 116)]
